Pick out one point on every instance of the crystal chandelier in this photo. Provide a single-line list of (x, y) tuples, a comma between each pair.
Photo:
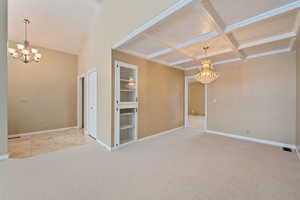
[(24, 52), (207, 73)]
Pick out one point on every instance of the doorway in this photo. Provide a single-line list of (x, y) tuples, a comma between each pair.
[(195, 104), (91, 125), (81, 85)]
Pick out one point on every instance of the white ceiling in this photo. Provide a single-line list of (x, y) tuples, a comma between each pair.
[(56, 24), (234, 30)]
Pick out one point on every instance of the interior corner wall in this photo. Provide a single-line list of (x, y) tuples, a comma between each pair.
[(115, 20), (161, 95), (255, 98), (298, 99), (196, 99), (42, 96)]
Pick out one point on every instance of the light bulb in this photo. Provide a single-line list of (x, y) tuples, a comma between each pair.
[(11, 51), (34, 51), (38, 55), (20, 46)]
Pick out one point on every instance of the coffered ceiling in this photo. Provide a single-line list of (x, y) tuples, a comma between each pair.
[(234, 31)]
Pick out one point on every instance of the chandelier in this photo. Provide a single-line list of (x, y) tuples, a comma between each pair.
[(207, 73), (24, 52)]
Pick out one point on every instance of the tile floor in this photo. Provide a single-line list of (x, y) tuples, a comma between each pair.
[(29, 146)]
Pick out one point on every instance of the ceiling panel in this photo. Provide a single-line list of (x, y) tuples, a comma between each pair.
[(144, 45), (215, 44), (171, 57), (188, 23), (267, 47), (233, 11), (226, 56), (275, 26)]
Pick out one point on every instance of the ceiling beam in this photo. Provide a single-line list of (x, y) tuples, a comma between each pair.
[(220, 26), (159, 53), (216, 53), (268, 40), (266, 15), (248, 57), (197, 39), (296, 28)]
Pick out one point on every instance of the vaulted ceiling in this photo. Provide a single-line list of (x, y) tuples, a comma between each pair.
[(56, 24), (234, 31)]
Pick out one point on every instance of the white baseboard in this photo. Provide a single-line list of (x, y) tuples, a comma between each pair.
[(279, 144), (41, 132), (4, 157), (159, 134), (108, 148)]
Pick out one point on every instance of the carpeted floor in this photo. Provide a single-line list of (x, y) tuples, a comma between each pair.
[(183, 165)]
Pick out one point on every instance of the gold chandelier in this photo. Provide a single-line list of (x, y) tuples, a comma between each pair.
[(207, 73), (24, 52)]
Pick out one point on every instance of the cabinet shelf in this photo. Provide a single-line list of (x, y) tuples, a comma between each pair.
[(126, 90), (126, 80), (126, 114), (125, 127)]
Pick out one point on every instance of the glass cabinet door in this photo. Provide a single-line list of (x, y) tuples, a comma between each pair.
[(127, 83)]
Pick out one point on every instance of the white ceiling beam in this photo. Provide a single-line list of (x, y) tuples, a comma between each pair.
[(266, 15), (197, 39), (268, 40), (166, 13), (248, 57), (216, 53), (139, 55), (296, 28), (181, 61), (269, 53), (220, 26), (159, 53)]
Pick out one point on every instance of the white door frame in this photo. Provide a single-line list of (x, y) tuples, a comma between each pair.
[(186, 102), (87, 101), (80, 95)]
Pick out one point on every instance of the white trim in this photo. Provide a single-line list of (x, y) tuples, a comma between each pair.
[(186, 102), (160, 134), (145, 57), (216, 53), (4, 157), (181, 62), (227, 61), (269, 53), (169, 11), (263, 16), (279, 144), (197, 39), (268, 40), (92, 70), (41, 132), (108, 148), (159, 53)]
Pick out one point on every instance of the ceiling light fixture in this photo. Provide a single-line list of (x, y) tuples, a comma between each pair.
[(24, 52), (207, 73)]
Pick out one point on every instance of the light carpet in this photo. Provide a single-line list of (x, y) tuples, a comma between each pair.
[(183, 165)]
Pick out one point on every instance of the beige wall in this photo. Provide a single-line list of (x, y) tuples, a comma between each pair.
[(3, 78), (160, 91), (256, 98), (42, 96), (298, 99), (196, 99), (107, 30)]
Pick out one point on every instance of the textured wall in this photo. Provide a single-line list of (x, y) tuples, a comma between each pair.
[(108, 29), (160, 91), (196, 99), (256, 98), (42, 96)]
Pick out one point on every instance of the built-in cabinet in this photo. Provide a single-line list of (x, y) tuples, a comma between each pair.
[(126, 103)]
